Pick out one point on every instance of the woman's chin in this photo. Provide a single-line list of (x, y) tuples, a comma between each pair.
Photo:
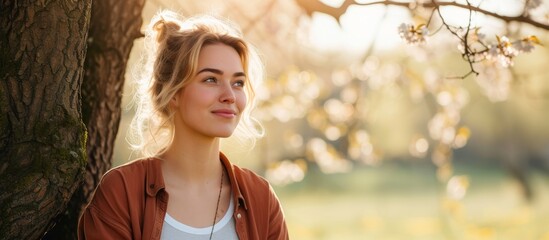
[(224, 134)]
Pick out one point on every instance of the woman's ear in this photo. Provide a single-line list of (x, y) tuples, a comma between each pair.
[(174, 102)]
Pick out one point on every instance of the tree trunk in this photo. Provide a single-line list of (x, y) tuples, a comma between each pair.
[(42, 136), (115, 24)]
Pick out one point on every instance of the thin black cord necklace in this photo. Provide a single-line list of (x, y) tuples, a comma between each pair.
[(218, 200)]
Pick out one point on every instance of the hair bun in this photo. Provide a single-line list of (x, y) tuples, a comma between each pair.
[(164, 28)]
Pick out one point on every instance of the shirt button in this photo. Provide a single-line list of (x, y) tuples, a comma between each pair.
[(239, 216)]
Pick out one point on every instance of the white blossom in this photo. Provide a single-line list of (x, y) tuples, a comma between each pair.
[(413, 35), (505, 61), (507, 47), (505, 51), (474, 38)]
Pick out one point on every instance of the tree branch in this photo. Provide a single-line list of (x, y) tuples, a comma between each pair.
[(318, 6), (336, 12)]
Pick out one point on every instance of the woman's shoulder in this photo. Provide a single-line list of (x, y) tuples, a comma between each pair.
[(248, 176), (124, 182), (129, 175), (133, 168), (251, 184)]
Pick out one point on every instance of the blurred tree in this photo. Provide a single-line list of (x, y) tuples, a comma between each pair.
[(489, 60)]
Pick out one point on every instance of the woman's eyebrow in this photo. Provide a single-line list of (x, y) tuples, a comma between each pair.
[(213, 70), (239, 74), (219, 72)]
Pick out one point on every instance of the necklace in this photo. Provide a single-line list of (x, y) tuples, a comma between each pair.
[(218, 200)]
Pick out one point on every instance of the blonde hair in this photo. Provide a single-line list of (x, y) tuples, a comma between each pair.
[(172, 47)]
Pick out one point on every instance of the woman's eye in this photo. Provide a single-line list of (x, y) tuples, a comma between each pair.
[(239, 83), (210, 80)]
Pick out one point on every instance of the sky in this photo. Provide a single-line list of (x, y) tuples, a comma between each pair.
[(363, 25)]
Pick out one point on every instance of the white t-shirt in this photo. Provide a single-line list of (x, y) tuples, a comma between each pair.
[(224, 229)]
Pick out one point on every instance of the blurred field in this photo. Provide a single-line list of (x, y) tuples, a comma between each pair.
[(403, 201), (395, 201)]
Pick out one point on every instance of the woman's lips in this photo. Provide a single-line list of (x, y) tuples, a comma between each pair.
[(225, 113)]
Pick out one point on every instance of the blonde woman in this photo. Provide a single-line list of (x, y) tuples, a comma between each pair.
[(200, 89)]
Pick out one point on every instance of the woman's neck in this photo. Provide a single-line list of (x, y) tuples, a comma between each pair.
[(195, 160)]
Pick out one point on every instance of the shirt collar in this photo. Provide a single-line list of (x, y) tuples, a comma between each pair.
[(232, 178), (155, 180)]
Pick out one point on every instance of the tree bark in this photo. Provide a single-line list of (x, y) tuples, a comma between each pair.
[(42, 136), (115, 24)]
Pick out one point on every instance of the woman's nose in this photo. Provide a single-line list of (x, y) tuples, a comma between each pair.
[(227, 94)]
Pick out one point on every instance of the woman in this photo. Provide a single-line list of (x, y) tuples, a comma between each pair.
[(201, 82)]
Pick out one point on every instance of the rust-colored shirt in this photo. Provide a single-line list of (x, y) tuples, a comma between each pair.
[(130, 203)]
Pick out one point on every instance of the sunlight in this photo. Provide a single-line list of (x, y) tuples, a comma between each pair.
[(362, 26), (384, 120)]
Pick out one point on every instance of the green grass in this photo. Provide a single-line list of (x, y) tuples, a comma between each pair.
[(395, 201)]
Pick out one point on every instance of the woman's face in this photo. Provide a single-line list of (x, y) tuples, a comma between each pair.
[(211, 103)]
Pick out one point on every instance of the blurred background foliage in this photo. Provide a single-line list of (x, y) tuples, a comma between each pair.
[(371, 138)]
